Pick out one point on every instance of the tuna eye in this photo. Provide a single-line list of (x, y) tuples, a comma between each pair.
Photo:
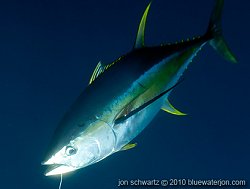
[(70, 151)]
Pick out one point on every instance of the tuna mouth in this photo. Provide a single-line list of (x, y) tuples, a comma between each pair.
[(58, 169)]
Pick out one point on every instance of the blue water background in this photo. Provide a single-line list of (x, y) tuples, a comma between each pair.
[(48, 50)]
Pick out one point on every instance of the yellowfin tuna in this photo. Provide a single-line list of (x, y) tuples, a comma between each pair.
[(107, 117)]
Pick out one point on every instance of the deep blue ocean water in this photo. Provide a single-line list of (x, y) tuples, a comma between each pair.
[(48, 50)]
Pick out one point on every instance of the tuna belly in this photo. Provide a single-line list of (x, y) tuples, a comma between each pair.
[(130, 128)]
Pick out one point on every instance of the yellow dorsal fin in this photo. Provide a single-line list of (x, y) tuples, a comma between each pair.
[(167, 107), (97, 71), (139, 42), (128, 146)]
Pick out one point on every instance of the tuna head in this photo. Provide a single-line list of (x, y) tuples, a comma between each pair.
[(78, 147)]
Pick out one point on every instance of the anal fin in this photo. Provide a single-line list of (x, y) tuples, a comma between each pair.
[(168, 107)]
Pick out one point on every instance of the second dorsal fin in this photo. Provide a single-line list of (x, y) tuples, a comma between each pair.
[(139, 42)]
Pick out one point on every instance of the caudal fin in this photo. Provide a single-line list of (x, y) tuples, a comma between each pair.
[(215, 33)]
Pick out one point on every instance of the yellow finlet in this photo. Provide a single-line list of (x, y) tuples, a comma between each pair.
[(167, 107), (128, 146)]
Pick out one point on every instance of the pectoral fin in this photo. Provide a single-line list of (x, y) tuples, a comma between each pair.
[(124, 117), (128, 146), (168, 107)]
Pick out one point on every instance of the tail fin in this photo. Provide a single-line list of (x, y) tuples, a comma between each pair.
[(214, 33)]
